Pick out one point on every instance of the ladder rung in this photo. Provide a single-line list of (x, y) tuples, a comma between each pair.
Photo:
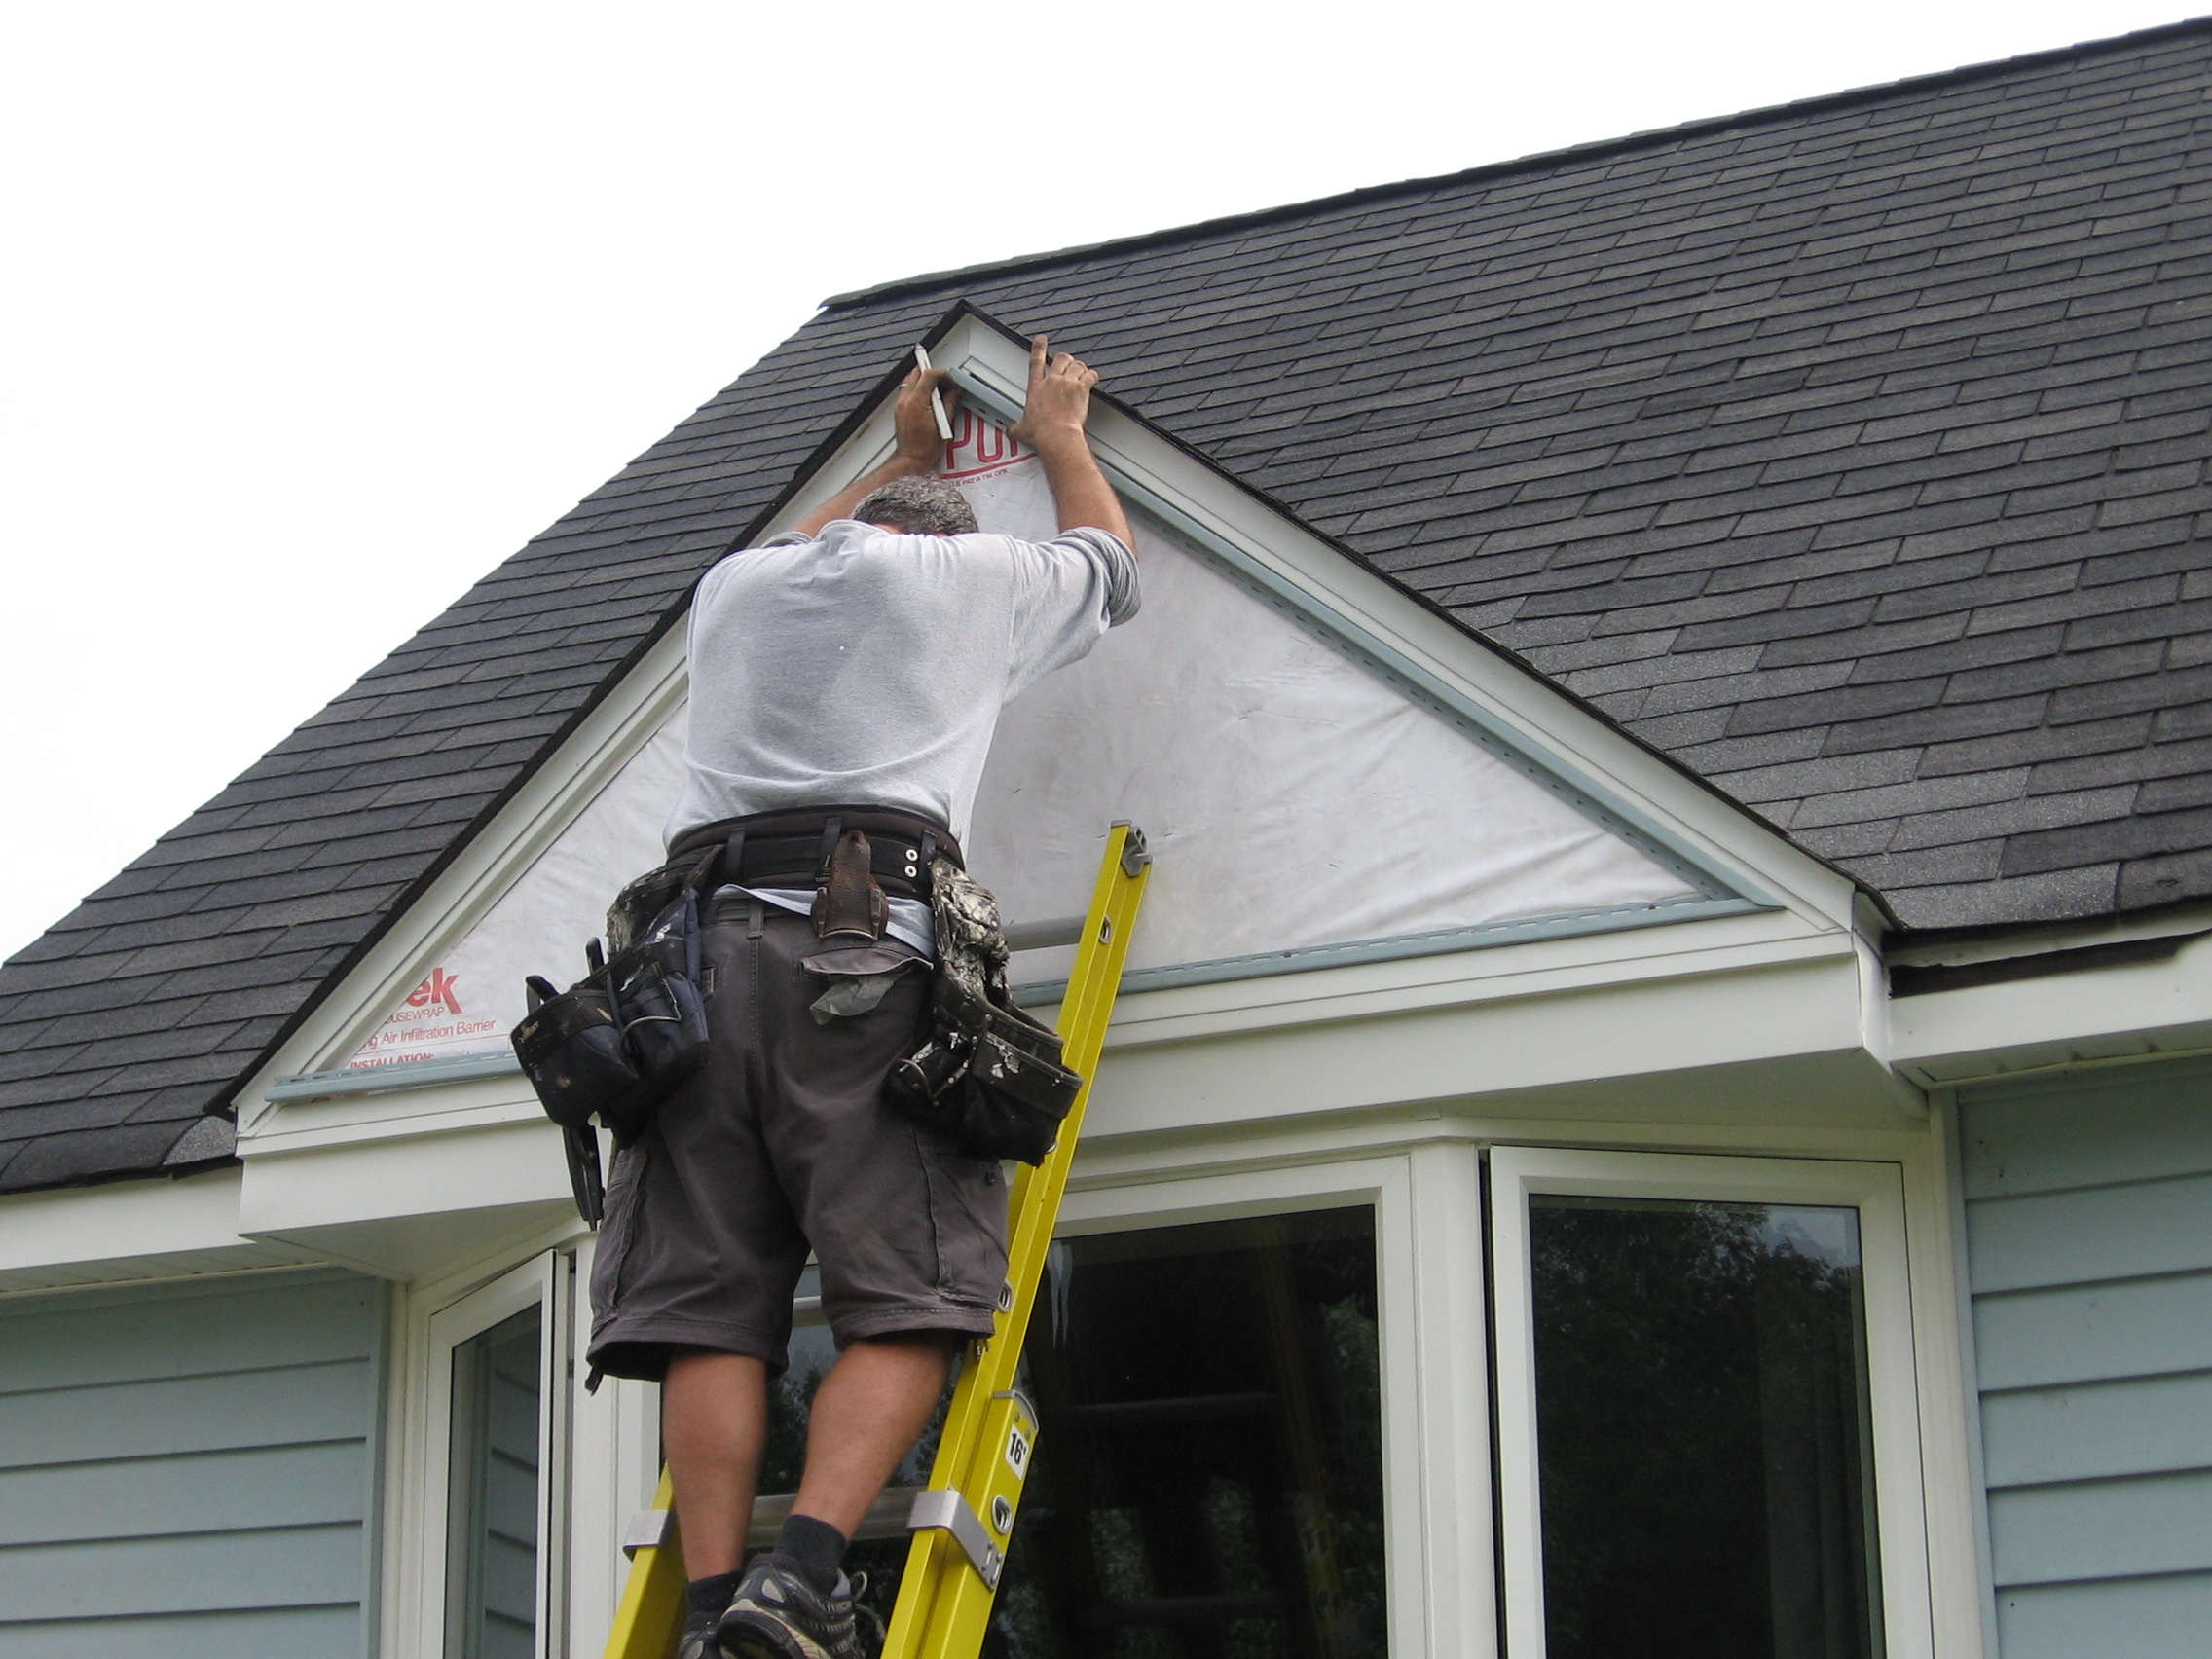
[(1043, 936), (1186, 1609), (1191, 1408), (647, 1531), (886, 1517)]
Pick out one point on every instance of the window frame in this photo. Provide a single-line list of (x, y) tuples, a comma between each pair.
[(1876, 1190), (545, 1281)]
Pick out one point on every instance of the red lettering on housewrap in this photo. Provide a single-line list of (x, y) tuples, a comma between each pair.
[(436, 991), (979, 447)]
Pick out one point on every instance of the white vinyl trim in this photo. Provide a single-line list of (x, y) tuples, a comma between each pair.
[(1610, 918)]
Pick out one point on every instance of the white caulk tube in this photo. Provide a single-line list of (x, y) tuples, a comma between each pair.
[(937, 403)]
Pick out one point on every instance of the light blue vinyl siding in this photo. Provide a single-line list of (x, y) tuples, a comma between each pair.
[(190, 1469), (2089, 1246)]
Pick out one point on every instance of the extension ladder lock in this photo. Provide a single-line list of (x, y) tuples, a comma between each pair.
[(963, 1522)]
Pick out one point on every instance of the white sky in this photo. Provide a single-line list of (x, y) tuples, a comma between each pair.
[(313, 313)]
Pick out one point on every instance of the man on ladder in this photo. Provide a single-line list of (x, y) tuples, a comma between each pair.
[(846, 678)]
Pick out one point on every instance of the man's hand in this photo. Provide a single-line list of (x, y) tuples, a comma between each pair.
[(919, 450), (1059, 399), (1051, 423), (919, 446)]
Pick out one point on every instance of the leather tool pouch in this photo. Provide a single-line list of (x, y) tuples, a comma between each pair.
[(987, 1075), (626, 1036), (850, 913)]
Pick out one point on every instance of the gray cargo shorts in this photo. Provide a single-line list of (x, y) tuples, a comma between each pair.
[(782, 1143)]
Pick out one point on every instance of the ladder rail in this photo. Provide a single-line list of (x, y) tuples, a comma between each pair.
[(649, 1617), (944, 1602)]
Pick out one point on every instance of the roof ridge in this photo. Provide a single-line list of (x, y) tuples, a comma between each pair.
[(1202, 228)]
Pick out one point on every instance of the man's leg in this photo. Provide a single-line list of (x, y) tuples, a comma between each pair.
[(713, 1417), (868, 1413)]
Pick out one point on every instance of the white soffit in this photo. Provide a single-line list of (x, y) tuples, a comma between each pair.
[(1317, 789)]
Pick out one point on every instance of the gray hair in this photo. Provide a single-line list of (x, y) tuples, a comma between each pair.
[(919, 506)]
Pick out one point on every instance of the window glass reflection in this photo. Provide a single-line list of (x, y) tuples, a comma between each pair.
[(1704, 1448), (492, 1503), (1208, 1478)]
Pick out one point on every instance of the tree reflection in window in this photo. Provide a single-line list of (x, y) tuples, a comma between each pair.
[(1208, 1479), (1702, 1441)]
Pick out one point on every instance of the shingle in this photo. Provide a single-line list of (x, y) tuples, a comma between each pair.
[(2013, 821), (1920, 799), (2043, 670), (1827, 707), (1796, 780), (2167, 878), (1944, 727), (1930, 867), (2060, 894), (1846, 841), (2036, 744), (2141, 835)]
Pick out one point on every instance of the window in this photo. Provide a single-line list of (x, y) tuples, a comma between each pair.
[(1209, 1465), (1705, 1400), (496, 1451), (1209, 1460), (493, 1491)]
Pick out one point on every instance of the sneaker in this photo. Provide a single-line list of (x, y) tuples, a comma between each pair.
[(777, 1614), (700, 1641)]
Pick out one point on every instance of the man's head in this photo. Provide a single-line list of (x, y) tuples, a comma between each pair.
[(918, 506)]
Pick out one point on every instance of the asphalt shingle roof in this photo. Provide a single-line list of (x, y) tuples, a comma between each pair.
[(1852, 454)]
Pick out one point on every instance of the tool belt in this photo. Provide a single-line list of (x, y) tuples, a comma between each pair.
[(987, 1075), (632, 1031), (794, 849), (983, 1075)]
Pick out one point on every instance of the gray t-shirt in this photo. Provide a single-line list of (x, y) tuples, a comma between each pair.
[(864, 668)]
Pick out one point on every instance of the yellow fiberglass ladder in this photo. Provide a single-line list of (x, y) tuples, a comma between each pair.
[(963, 1521)]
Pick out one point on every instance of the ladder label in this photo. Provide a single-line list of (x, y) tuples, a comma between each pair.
[(1017, 1451)]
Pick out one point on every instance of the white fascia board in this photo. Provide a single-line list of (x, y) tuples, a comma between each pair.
[(1783, 1015), (130, 1230), (540, 810), (1107, 1163), (1367, 990), (2101, 1015), (1738, 948), (411, 1208), (1427, 654), (496, 1167), (425, 1112)]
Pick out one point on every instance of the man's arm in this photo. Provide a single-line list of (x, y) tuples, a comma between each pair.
[(1051, 423), (919, 450)]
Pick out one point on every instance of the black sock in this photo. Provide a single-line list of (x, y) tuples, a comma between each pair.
[(818, 1547), (706, 1599)]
